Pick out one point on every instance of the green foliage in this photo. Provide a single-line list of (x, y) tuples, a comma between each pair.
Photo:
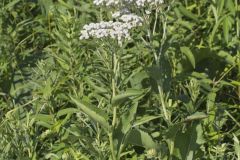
[(171, 92)]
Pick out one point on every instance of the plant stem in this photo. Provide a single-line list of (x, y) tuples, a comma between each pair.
[(112, 146), (163, 102), (114, 75)]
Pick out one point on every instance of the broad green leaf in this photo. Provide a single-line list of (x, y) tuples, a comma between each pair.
[(187, 144), (188, 53), (93, 112), (140, 138)]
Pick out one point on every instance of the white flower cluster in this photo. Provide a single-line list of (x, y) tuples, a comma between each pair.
[(115, 30), (138, 3), (106, 2), (125, 20)]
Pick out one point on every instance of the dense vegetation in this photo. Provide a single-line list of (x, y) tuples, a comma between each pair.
[(171, 92)]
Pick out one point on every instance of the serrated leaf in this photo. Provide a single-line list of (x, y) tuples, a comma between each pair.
[(93, 112), (188, 53)]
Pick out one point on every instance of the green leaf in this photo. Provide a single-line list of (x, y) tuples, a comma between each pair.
[(93, 112), (67, 111), (161, 73), (140, 138), (44, 117), (145, 119), (226, 29), (95, 87), (188, 53), (196, 116), (220, 6), (231, 7), (188, 14), (127, 118), (124, 127), (226, 57), (10, 5), (130, 93), (236, 146), (191, 139)]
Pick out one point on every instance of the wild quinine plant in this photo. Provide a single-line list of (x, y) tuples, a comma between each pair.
[(126, 16), (148, 79)]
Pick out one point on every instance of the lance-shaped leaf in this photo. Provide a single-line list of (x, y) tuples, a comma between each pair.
[(93, 112), (67, 111), (140, 138), (196, 116), (145, 119), (188, 53), (98, 89), (188, 13), (130, 93), (124, 126)]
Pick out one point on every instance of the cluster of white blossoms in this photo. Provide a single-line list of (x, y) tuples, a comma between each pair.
[(138, 3), (116, 30), (125, 20)]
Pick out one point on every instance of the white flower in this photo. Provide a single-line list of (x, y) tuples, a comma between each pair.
[(116, 30), (138, 3), (125, 20)]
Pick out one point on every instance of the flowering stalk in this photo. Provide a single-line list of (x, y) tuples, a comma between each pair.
[(119, 29), (114, 76)]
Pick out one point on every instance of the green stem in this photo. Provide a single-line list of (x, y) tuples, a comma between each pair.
[(114, 76), (112, 146), (163, 103)]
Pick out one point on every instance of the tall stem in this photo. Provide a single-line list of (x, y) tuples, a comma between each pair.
[(114, 76)]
